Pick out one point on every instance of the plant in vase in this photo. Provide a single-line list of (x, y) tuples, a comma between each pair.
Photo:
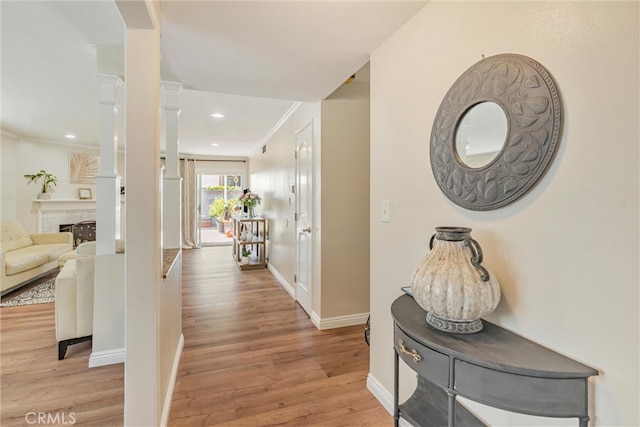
[(250, 200), (245, 256), (48, 181)]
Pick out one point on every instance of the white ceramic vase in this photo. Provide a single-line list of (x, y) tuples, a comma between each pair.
[(452, 286)]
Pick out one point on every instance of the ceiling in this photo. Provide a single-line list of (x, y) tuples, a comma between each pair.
[(250, 60)]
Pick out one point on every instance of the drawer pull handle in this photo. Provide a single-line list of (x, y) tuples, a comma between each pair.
[(413, 353)]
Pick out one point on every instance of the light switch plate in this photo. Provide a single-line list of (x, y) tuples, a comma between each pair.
[(385, 211)]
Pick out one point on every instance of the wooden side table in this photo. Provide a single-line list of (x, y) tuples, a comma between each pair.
[(495, 367), (257, 245)]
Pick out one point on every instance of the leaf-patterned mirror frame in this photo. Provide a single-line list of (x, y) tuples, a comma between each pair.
[(528, 95)]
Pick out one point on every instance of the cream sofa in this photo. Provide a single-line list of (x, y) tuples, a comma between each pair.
[(24, 256), (74, 298)]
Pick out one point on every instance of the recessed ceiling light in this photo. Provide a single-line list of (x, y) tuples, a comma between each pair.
[(217, 115), (215, 144), (70, 136)]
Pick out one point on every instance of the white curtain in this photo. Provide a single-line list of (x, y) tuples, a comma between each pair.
[(190, 214)]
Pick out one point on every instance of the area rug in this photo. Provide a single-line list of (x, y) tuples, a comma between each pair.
[(42, 293)]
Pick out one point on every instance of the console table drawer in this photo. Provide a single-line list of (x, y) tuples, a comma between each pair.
[(557, 397), (427, 363)]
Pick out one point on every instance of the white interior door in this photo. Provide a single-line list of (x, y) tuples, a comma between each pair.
[(304, 220)]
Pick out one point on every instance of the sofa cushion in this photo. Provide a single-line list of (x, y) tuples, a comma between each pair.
[(66, 257), (24, 259), (13, 236), (19, 261), (54, 250)]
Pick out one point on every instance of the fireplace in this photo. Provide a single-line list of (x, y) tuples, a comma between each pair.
[(84, 231), (53, 212)]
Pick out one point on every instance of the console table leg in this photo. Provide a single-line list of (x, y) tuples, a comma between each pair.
[(583, 422), (452, 410), (396, 409)]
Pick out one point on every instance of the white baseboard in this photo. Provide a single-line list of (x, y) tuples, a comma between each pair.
[(172, 382), (327, 323), (338, 321), (384, 396), (107, 357), (315, 319), (283, 282)]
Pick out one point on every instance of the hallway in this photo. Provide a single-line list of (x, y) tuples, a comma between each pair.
[(252, 357)]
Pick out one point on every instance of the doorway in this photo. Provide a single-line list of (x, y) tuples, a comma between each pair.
[(218, 196)]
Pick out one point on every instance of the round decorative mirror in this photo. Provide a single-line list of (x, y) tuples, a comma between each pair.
[(495, 132)]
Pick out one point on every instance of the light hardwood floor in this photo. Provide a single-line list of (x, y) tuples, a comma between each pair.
[(252, 358)]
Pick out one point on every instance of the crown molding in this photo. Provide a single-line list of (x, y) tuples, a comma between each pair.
[(26, 139), (7, 134), (275, 128)]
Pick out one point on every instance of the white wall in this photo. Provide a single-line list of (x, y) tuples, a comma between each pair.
[(28, 157), (340, 272), (566, 253), (7, 177), (271, 175), (344, 203)]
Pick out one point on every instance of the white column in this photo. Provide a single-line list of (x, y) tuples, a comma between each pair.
[(108, 287), (142, 250), (107, 179), (142, 397), (171, 197)]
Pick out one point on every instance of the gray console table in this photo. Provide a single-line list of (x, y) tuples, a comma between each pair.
[(495, 367)]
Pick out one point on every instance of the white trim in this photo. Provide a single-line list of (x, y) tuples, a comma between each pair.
[(7, 134), (172, 382), (339, 321), (283, 282), (277, 126), (384, 396), (315, 319), (107, 357), (87, 145), (258, 150)]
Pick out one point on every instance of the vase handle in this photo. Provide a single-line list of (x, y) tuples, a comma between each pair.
[(476, 258), (431, 241)]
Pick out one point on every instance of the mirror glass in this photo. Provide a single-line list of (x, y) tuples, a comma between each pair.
[(481, 134)]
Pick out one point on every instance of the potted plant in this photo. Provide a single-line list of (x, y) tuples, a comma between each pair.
[(245, 256), (221, 212), (48, 181), (216, 212)]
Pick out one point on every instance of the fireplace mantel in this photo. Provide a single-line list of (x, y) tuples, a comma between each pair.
[(53, 212), (57, 204)]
